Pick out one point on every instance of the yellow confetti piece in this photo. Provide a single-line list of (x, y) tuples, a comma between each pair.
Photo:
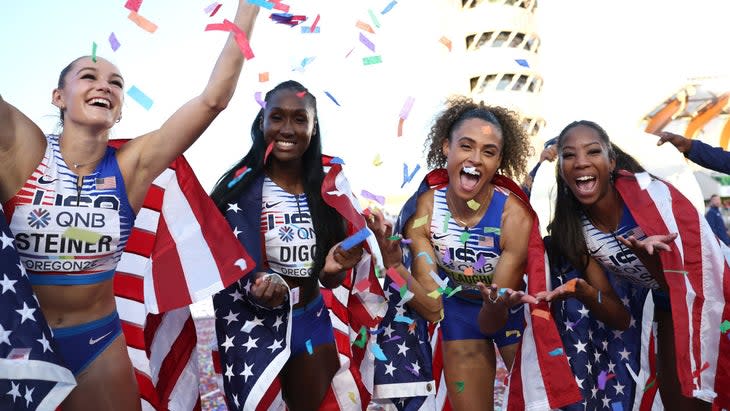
[(420, 221), (474, 205), (352, 397), (434, 294), (81, 234), (377, 161)]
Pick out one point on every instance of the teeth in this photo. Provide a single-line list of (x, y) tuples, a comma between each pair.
[(288, 143), (101, 101), (471, 170), (585, 178)]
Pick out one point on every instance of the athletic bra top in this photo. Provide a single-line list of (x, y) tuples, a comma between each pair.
[(288, 231), (68, 234), (458, 248), (615, 257)]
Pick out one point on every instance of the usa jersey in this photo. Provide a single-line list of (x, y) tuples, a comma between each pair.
[(70, 230)]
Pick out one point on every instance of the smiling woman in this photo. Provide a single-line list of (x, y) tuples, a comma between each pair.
[(77, 198)]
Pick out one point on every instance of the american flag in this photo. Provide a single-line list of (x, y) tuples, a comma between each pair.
[(697, 270), (180, 251), (32, 376), (549, 377), (254, 341), (106, 183)]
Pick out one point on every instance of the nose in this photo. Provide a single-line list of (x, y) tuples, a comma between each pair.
[(287, 128), (104, 86), (581, 160)]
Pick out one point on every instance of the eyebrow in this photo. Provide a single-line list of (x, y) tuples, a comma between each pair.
[(584, 145), (471, 140), (95, 70)]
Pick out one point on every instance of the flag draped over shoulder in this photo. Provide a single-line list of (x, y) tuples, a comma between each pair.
[(254, 341), (697, 271), (538, 380), (180, 251), (32, 375)]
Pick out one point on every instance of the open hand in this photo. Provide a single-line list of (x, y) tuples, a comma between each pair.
[(650, 244), (562, 292)]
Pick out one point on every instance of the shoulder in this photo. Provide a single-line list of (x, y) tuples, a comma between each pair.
[(516, 214)]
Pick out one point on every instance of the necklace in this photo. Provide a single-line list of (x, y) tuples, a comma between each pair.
[(452, 208), (76, 166)]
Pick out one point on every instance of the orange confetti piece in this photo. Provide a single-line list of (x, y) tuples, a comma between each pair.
[(412, 326), (570, 285), (541, 313), (469, 271), (400, 127), (263, 77), (364, 26), (446, 42), (142, 22)]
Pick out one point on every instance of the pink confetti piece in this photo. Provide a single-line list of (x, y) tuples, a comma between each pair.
[(314, 25), (238, 35), (268, 151), (374, 197), (142, 22), (113, 42), (366, 41), (362, 285), (281, 6), (393, 274), (446, 42), (349, 52), (364, 26), (133, 5)]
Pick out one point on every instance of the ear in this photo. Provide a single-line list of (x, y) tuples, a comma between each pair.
[(613, 166), (57, 99), (445, 148)]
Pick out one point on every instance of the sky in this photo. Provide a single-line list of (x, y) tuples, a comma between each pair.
[(607, 61)]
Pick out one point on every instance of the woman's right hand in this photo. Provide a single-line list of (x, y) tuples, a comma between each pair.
[(390, 249), (269, 290), (565, 291)]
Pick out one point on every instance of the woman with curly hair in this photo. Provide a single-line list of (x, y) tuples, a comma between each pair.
[(474, 234)]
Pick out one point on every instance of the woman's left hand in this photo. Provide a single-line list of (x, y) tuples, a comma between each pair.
[(339, 260), (650, 244), (562, 292), (507, 296)]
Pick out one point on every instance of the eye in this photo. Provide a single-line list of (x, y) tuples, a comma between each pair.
[(301, 120), (117, 83), (568, 155), (465, 146), (595, 151), (88, 76)]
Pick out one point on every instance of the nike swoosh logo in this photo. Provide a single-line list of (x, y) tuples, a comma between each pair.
[(269, 205), (516, 309), (597, 249), (438, 237), (93, 341), (42, 180)]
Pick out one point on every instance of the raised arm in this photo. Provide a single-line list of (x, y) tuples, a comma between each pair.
[(21, 148), (144, 158)]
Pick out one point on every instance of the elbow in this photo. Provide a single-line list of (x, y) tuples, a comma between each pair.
[(218, 102)]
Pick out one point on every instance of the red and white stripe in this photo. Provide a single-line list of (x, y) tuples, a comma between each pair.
[(698, 274)]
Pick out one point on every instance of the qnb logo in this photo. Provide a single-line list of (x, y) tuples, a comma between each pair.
[(39, 218), (286, 233)]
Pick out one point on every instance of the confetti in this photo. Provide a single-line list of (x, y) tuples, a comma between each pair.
[(446, 42), (413, 371), (617, 406), (556, 352), (492, 230), (454, 291), (352, 396), (447, 217), (447, 257), (377, 331), (697, 372), (133, 5), (464, 237), (378, 352), (510, 333), (468, 271), (337, 160), (366, 41), (376, 23), (113, 42), (360, 342), (408, 177), (393, 338), (474, 205), (238, 35), (406, 109), (355, 239), (399, 133), (406, 241), (374, 197), (501, 291), (420, 221), (212, 9), (141, 98), (541, 313), (649, 385), (435, 294), (362, 285), (377, 161), (460, 386), (725, 326), (387, 9), (395, 238), (479, 264), (522, 63), (441, 283), (314, 25), (426, 256), (402, 319), (142, 22), (676, 272), (308, 343), (238, 176), (281, 6), (262, 3), (268, 151), (308, 29), (288, 19), (263, 77), (332, 98), (603, 378), (394, 276), (371, 60), (81, 234), (364, 26), (570, 285), (93, 52), (294, 295)]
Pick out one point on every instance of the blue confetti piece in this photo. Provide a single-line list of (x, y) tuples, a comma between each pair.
[(263, 3), (378, 331), (426, 256), (501, 291), (522, 62), (556, 352), (355, 239), (309, 347), (337, 160), (403, 319), (332, 98), (408, 177), (140, 97), (308, 29), (617, 406), (389, 6), (238, 178), (378, 352)]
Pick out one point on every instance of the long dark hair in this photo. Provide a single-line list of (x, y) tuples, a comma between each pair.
[(324, 217), (566, 228)]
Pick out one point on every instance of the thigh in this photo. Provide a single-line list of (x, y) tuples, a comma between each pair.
[(669, 387), (306, 378), (108, 383), (469, 369)]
